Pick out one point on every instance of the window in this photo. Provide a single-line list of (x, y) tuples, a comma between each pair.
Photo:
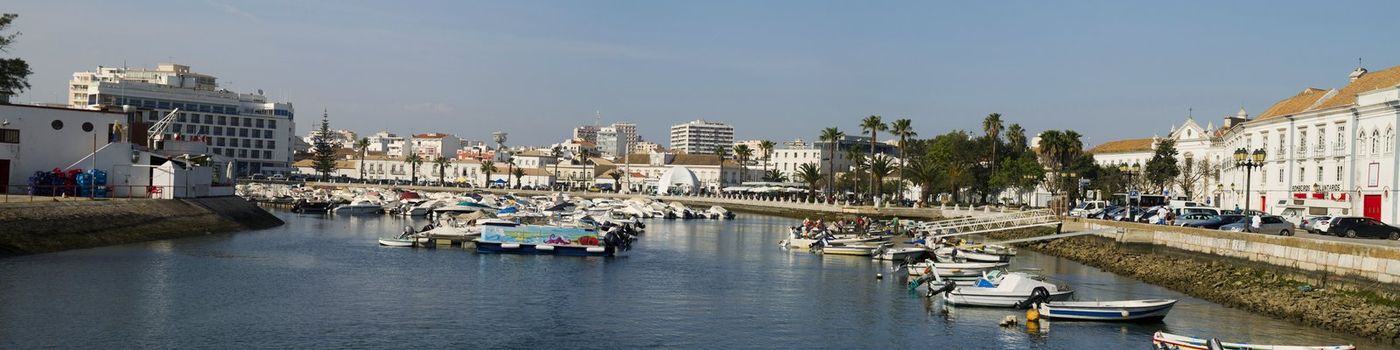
[(260, 123), (209, 119), (258, 144), (248, 122), (218, 141), (246, 143), (267, 154), (242, 153), (181, 118), (1389, 140), (1302, 174), (272, 144), (233, 121), (1339, 173), (9, 135), (1319, 174), (1341, 135), (242, 132), (272, 124), (57, 124), (1375, 141), (223, 120), (87, 127)]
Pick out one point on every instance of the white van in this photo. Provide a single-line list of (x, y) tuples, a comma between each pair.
[(1087, 208), (1177, 203), (1180, 211)]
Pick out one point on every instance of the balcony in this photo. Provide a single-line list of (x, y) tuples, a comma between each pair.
[(1302, 151)]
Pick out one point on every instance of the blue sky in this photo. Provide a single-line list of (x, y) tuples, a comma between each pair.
[(775, 69)]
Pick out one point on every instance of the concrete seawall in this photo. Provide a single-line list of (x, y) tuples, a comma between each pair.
[(41, 227)]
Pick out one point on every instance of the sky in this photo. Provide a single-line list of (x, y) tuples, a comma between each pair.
[(776, 70)]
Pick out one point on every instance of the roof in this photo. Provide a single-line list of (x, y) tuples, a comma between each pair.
[(1302, 102), (1385, 78), (311, 163), (1123, 146), (695, 159), (431, 135)]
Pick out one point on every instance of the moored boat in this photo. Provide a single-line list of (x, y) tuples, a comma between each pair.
[(1119, 310), (396, 242), (898, 253), (358, 207), (500, 236), (1163, 340), (1009, 290)]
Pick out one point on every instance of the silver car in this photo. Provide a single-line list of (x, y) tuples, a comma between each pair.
[(1271, 224), (1315, 223)]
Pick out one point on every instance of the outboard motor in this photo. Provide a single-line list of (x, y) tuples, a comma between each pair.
[(947, 287), (1038, 295)]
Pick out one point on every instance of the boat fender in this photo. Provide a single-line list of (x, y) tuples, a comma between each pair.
[(1032, 315)]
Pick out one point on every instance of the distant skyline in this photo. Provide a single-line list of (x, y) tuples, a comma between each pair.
[(776, 69)]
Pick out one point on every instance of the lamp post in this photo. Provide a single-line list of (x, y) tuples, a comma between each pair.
[(1129, 171), (1219, 189), (1248, 160)]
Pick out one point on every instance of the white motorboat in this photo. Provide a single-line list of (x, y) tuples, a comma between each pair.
[(358, 207), (718, 212), (424, 208), (969, 255), (898, 253), (1120, 310), (949, 269), (396, 242), (1162, 340), (857, 250), (1008, 291)]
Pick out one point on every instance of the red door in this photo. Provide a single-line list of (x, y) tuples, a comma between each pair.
[(1263, 204), (4, 175), (1371, 206)]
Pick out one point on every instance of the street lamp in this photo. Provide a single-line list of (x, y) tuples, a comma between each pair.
[(1129, 171), (1249, 161)]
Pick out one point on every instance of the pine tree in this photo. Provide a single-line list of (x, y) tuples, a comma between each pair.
[(324, 158), (14, 72)]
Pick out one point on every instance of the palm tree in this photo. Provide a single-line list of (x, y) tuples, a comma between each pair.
[(774, 175), (874, 125), (904, 129), (510, 169), (742, 154), (858, 164), (1016, 138), (442, 163), (719, 152), (808, 174), (992, 126), (487, 167), (616, 175), (925, 173), (362, 146), (767, 149), (519, 173), (556, 152), (880, 167), (832, 137), (414, 160)]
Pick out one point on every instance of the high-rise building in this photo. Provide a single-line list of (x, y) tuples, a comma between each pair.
[(435, 144), (256, 133), (388, 143), (586, 133), (616, 139), (701, 137)]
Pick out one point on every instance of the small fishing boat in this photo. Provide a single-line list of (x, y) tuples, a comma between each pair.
[(396, 242), (948, 269), (850, 249), (358, 207), (952, 253), (501, 236), (718, 212), (1121, 310), (1162, 340), (1009, 290), (898, 254)]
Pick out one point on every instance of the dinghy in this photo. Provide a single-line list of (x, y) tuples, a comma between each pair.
[(1161, 340), (396, 242), (1121, 310), (1011, 290), (898, 254)]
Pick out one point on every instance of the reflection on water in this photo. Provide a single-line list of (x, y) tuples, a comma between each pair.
[(324, 283)]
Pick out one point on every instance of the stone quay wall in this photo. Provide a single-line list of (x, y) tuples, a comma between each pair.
[(42, 227)]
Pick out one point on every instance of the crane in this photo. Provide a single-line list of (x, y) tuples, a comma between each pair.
[(157, 130)]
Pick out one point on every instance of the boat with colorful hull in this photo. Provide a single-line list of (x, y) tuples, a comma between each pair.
[(500, 236), (1120, 310), (1168, 341)]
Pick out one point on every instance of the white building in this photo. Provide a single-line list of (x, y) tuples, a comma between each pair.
[(258, 134), (647, 147), (616, 139), (701, 137), (586, 133), (340, 137), (1328, 150), (434, 144), (387, 143)]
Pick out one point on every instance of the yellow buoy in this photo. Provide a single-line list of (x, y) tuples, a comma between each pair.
[(1032, 315)]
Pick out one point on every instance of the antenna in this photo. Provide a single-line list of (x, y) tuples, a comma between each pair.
[(597, 118), (1190, 112), (1358, 62)]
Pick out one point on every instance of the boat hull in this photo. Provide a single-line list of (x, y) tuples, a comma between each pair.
[(390, 242), (1172, 341), (542, 249), (959, 297), (1136, 310)]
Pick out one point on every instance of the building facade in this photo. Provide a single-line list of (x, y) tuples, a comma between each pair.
[(435, 144), (701, 137), (256, 133), (586, 133)]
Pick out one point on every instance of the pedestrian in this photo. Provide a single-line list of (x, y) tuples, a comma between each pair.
[(1255, 222)]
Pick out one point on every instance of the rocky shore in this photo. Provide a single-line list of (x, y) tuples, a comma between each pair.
[(42, 227), (1371, 313)]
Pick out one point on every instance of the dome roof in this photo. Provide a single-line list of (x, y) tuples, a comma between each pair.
[(677, 179)]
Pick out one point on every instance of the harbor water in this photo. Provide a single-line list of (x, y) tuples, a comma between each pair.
[(323, 282)]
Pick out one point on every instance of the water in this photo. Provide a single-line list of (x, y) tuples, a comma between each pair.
[(324, 283)]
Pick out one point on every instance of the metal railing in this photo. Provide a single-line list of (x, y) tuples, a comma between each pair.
[(53, 193)]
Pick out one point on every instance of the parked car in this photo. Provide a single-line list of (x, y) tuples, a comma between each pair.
[(1356, 226), (1182, 211), (259, 177), (1106, 213), (1310, 223), (1188, 219), (1085, 208), (1269, 224), (277, 177), (1217, 221)]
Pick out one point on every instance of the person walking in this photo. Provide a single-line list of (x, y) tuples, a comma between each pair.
[(1255, 222)]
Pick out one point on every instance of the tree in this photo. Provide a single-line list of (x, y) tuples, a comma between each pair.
[(324, 158), (808, 174), (925, 173), (1196, 174), (616, 175), (742, 154), (766, 147), (953, 154), (414, 161), (1016, 138), (1020, 173), (774, 175), (904, 129), (719, 152), (858, 164), (991, 126), (880, 167), (487, 167), (1162, 168), (556, 152), (510, 169), (441, 163), (874, 125), (14, 72), (362, 147), (832, 137), (1057, 150), (519, 174)]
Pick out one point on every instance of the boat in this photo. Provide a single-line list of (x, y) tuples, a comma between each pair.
[(951, 269), (953, 253), (304, 207), (857, 250), (396, 242), (1119, 310), (1010, 290), (1163, 340), (501, 236), (718, 212), (898, 253), (358, 207)]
